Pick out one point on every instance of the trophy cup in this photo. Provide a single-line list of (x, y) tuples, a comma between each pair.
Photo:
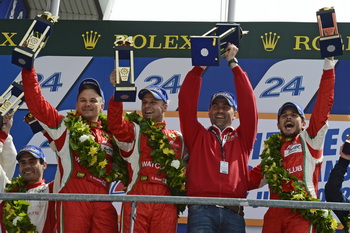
[(11, 100), (206, 50), (125, 90), (331, 43), (33, 41), (33, 123)]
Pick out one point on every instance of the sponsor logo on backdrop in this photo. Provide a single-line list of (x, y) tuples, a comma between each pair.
[(281, 84), (6, 39), (90, 39), (269, 41), (156, 42)]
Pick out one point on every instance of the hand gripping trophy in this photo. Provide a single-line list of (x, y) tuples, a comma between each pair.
[(11, 100), (125, 90), (207, 50), (33, 41)]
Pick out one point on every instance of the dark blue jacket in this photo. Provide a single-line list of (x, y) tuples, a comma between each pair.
[(333, 188)]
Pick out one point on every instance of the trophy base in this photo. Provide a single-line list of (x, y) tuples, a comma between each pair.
[(125, 92), (331, 46), (234, 37), (205, 51), (23, 57)]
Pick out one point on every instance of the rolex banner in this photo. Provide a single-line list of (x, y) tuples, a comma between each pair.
[(282, 61)]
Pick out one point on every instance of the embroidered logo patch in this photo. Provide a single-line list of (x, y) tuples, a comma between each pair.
[(80, 174)]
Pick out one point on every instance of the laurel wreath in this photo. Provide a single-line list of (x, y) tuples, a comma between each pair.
[(15, 217), (90, 153), (288, 187), (347, 226), (163, 154)]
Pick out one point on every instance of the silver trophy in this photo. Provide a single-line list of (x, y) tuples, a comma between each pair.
[(11, 100), (33, 41)]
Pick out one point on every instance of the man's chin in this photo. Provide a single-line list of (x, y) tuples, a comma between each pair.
[(289, 134), (147, 115)]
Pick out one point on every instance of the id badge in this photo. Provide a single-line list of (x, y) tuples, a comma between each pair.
[(223, 167)]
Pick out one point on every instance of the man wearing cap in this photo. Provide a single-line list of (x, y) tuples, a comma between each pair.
[(301, 151), (32, 164), (218, 156), (144, 176), (72, 176)]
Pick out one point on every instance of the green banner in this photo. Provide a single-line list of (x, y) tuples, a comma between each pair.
[(169, 39)]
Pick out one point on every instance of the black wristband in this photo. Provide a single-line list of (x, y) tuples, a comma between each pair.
[(233, 60)]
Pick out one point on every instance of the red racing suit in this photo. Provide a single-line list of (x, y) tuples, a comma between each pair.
[(144, 176), (204, 178), (302, 157), (71, 177)]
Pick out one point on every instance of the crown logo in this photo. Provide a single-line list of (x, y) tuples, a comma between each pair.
[(90, 39), (269, 41)]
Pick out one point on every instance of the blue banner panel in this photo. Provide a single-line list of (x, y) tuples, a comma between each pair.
[(13, 9)]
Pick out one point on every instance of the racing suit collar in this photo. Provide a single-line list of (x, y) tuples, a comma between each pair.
[(226, 130), (36, 184)]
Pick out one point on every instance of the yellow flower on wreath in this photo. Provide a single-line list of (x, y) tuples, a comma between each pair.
[(93, 160), (168, 151), (102, 164), (7, 206), (334, 224), (81, 126), (313, 211), (93, 150), (275, 176), (298, 197)]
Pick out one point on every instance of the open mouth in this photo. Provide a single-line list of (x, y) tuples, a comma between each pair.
[(288, 125), (220, 117), (26, 173), (148, 113)]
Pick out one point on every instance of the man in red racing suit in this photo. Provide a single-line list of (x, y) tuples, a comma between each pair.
[(302, 152), (71, 176), (144, 176)]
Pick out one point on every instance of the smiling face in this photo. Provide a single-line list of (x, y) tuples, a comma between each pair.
[(221, 113), (89, 104), (290, 123), (30, 168), (153, 108)]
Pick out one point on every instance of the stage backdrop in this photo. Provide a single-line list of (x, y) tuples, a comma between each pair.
[(282, 61)]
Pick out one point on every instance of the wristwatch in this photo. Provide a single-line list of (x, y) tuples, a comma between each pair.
[(233, 60)]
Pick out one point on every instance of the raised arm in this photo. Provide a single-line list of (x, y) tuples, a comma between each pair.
[(37, 105), (325, 99), (188, 105), (7, 148), (247, 109)]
